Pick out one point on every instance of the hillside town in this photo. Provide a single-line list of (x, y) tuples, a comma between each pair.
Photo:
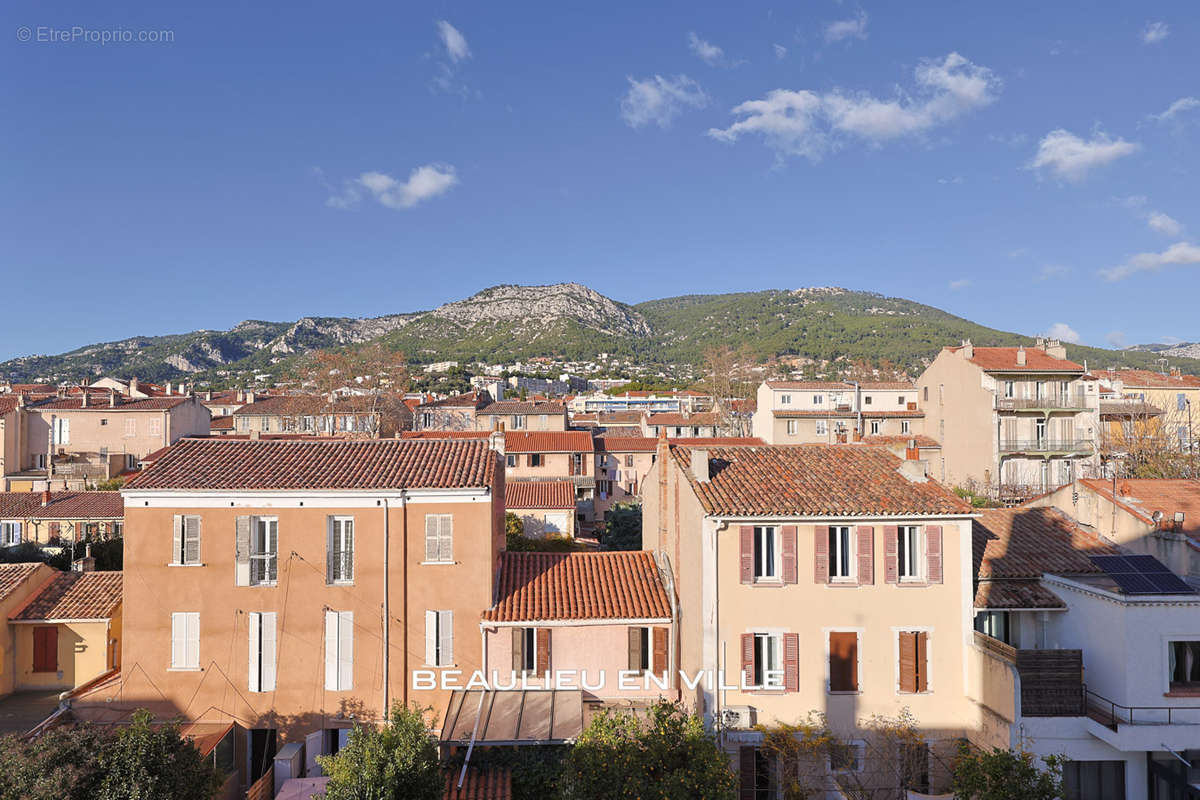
[(1000, 555)]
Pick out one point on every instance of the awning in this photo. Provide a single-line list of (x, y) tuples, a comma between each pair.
[(513, 717)]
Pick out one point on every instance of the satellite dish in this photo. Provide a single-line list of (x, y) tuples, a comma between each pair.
[(1156, 516)]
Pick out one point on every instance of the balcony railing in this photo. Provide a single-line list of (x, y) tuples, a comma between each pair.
[(1046, 446), (1069, 402), (1112, 714)]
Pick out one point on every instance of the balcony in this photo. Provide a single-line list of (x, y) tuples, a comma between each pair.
[(1058, 402), (1048, 446)]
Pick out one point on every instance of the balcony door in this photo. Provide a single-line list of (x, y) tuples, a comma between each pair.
[(1039, 433)]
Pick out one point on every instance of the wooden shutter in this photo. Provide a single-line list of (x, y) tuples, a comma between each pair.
[(746, 773), (254, 670), (431, 638), (446, 637), (891, 537), (908, 661), (345, 650), (791, 662), (242, 551), (268, 652), (543, 649), (748, 658), (178, 640), (821, 553), (790, 569), (659, 663), (933, 553), (922, 647), (45, 649), (635, 648), (331, 650), (177, 540), (192, 642), (843, 661), (431, 537), (446, 537), (191, 540), (866, 555), (518, 650), (747, 553)]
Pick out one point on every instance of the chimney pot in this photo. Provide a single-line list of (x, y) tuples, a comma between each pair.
[(700, 466), (1021, 356), (46, 497)]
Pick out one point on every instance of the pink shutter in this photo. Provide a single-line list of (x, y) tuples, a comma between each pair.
[(747, 550), (791, 662), (891, 536), (821, 551), (748, 658), (933, 552), (790, 567), (866, 555)]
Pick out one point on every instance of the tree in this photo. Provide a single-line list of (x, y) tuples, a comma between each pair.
[(397, 762), (729, 377), (661, 753), (623, 529), (1005, 775), (1144, 441), (372, 373)]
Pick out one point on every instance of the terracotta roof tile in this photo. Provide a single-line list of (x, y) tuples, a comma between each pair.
[(1027, 542), (506, 407), (813, 480), (474, 400), (539, 494), (684, 420), (1023, 594), (99, 402), (541, 587), (1144, 496), (893, 439), (13, 575), (1004, 359), (322, 464), (493, 783), (63, 505), (290, 404), (221, 422), (548, 442), (1149, 379), (831, 414), (74, 595), (647, 444)]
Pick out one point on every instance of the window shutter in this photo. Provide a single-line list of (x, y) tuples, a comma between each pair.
[(446, 537), (543, 649), (746, 773), (821, 552), (866, 555), (331, 651), (193, 639), (177, 540), (345, 650), (748, 658), (273, 549), (346, 565), (659, 662), (746, 534), (791, 662), (790, 567), (431, 537), (268, 652), (255, 667), (933, 552), (332, 550), (843, 661), (446, 635), (191, 540), (518, 649), (178, 640), (242, 551), (635, 648), (908, 661), (922, 643), (891, 538)]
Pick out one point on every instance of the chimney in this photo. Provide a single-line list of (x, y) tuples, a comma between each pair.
[(112, 398), (208, 397), (133, 386), (700, 466), (496, 438), (967, 349), (46, 496), (254, 435), (249, 398), (1041, 343), (1054, 348), (912, 452), (1176, 372), (87, 563), (83, 398), (1021, 356), (915, 470)]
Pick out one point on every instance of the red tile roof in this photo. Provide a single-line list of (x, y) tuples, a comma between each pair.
[(684, 420), (831, 414), (539, 494), (1004, 359), (1143, 496), (8, 403), (469, 400), (813, 480), (74, 595), (444, 434), (63, 505), (542, 587), (647, 444), (901, 439), (494, 783), (222, 463), (100, 403), (548, 442), (1149, 379), (507, 407), (13, 575), (1010, 595), (221, 422)]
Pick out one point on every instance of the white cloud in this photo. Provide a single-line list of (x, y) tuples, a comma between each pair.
[(1178, 107), (1116, 339), (659, 100), (424, 183), (961, 283), (1070, 157), (806, 123), (707, 52), (1051, 271), (1063, 332), (455, 43), (1155, 32), (855, 27), (1178, 254), (1164, 224), (780, 51)]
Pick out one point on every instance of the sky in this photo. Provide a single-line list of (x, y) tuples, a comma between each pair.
[(166, 167)]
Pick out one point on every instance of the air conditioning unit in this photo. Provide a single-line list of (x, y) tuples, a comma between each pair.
[(739, 717)]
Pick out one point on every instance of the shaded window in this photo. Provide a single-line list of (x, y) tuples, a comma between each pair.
[(1094, 780), (1184, 665)]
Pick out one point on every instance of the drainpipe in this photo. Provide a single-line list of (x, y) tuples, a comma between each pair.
[(404, 604), (387, 620)]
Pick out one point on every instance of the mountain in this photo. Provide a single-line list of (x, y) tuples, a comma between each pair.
[(1177, 350), (570, 322)]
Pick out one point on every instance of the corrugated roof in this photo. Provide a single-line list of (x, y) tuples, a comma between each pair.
[(74, 595), (539, 494)]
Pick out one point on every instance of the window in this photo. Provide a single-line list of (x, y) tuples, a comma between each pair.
[(185, 548), (908, 553), (103, 421), (767, 670), (518, 422), (905, 426), (629, 460), (867, 400), (1093, 780), (45, 648), (264, 551), (900, 400), (639, 649), (62, 430), (994, 624), (510, 460), (39, 460), (914, 661), (818, 399), (439, 638), (543, 419), (1010, 389), (1184, 665), (185, 640), (1180, 402), (340, 551), (339, 651), (756, 778), (765, 557), (847, 756), (439, 537), (874, 427), (536, 459), (925, 393), (785, 399), (843, 661), (524, 649), (10, 533), (841, 556), (155, 427), (262, 652), (576, 463), (791, 427), (822, 428), (131, 427)]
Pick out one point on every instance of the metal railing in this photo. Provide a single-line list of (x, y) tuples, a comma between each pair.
[(1111, 714), (1070, 402), (1046, 446)]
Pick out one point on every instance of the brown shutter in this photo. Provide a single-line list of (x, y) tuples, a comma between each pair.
[(790, 568), (922, 647), (746, 773), (748, 658), (791, 662), (747, 553), (543, 649), (933, 552), (821, 554), (843, 661), (635, 648), (866, 555), (45, 649), (518, 649), (908, 661), (891, 536), (659, 663)]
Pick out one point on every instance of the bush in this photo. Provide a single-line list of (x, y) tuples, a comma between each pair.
[(397, 762), (623, 529), (1005, 775)]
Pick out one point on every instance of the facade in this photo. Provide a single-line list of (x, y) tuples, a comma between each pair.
[(353, 416), (18, 583), (1175, 395), (835, 412), (1012, 421), (758, 537), (544, 507), (57, 518), (522, 415), (683, 425)]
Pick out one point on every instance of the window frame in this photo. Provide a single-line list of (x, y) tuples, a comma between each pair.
[(767, 543), (905, 427), (897, 632), (440, 536), (859, 748), (337, 576), (858, 673), (876, 426), (913, 553), (6, 527), (186, 616), (850, 555), (268, 559), (1172, 686), (821, 427), (768, 657), (790, 427)]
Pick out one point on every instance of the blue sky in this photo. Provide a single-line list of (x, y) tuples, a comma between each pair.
[(1022, 165)]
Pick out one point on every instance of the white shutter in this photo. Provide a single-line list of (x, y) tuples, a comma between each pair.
[(191, 540), (193, 639), (431, 537), (446, 538), (331, 650), (255, 648), (345, 650), (268, 652), (178, 640), (431, 637), (446, 638), (313, 747), (177, 540)]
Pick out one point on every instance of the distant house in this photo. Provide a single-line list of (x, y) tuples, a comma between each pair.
[(835, 412), (544, 507), (52, 517), (354, 416)]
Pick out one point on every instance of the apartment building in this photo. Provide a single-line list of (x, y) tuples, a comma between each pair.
[(522, 415), (835, 412), (544, 507), (545, 455), (352, 416), (1175, 396), (675, 402), (1013, 421), (683, 425), (759, 537), (293, 586)]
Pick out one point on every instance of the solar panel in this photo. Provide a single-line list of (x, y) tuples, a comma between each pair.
[(1147, 564), (1139, 574), (1170, 583), (1133, 583)]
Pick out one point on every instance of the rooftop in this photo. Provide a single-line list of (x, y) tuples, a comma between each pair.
[(13, 575), (648, 444), (1143, 496), (1004, 359), (548, 442), (539, 494), (99, 401), (74, 596), (507, 407), (841, 386), (1149, 379), (62, 505)]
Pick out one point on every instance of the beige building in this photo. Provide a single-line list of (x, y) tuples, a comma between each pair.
[(835, 412), (354, 416), (545, 508), (476, 411), (1013, 421), (1175, 396), (59, 518)]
